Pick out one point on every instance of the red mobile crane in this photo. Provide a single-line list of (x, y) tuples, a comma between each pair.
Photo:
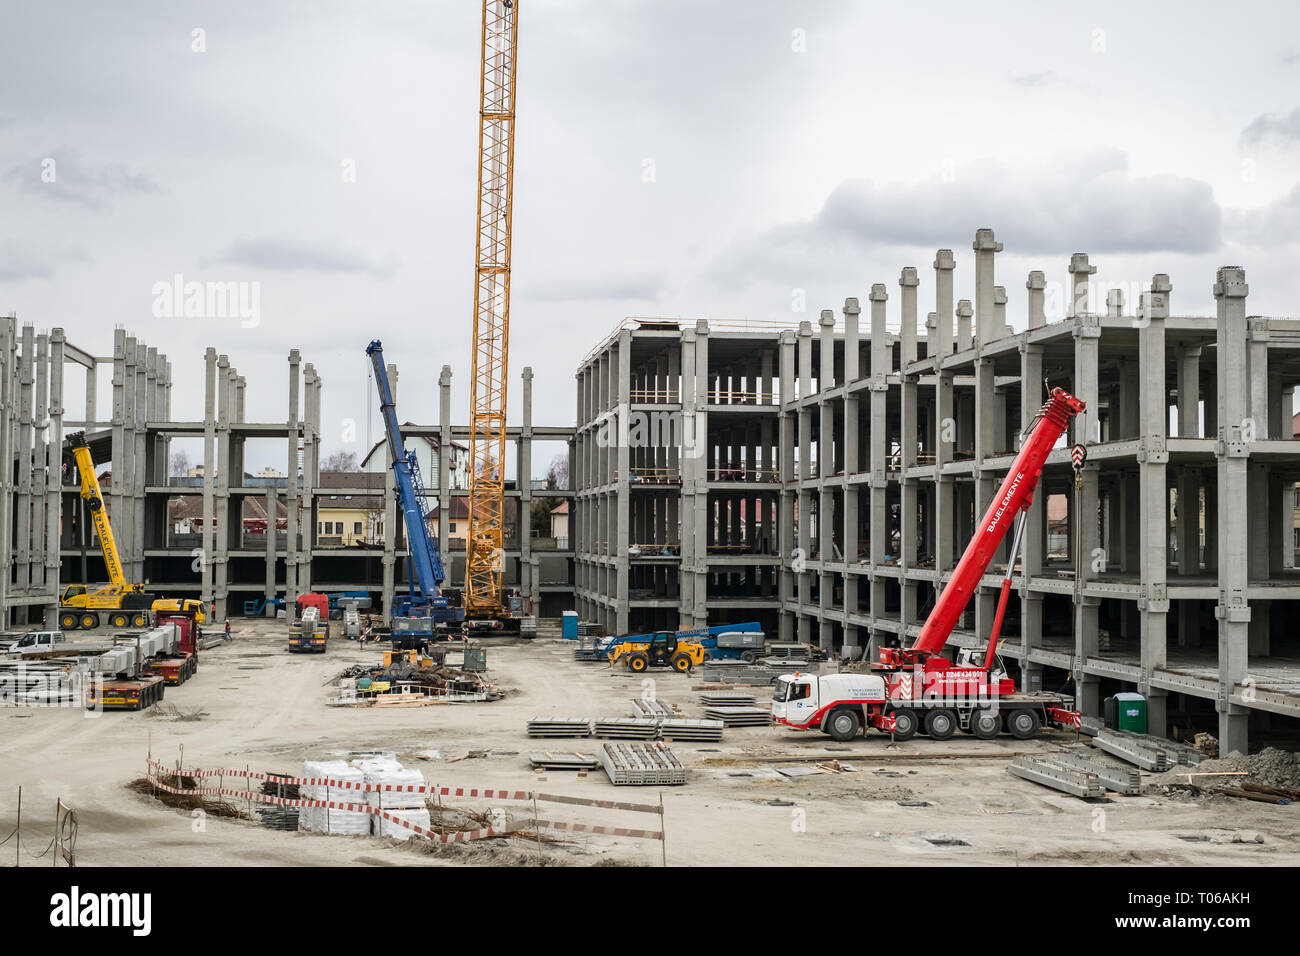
[(915, 687)]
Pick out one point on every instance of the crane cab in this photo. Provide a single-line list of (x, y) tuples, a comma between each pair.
[(974, 657)]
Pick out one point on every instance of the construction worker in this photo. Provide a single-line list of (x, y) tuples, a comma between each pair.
[(227, 631)]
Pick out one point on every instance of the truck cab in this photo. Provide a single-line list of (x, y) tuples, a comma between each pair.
[(36, 642), (838, 704)]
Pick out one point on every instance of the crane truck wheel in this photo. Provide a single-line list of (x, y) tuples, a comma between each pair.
[(138, 621), (89, 622), (1023, 724), (940, 724), (681, 663), (844, 724), (985, 724), (117, 620), (905, 724), (638, 662), (69, 621)]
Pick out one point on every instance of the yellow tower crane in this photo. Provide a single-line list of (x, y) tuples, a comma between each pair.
[(484, 555)]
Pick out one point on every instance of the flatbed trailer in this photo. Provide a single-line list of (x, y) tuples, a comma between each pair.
[(126, 677), (125, 694), (311, 634)]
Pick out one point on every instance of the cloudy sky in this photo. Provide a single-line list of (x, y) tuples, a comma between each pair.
[(693, 158)]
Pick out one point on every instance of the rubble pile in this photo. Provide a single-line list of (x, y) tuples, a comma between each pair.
[(1271, 767)]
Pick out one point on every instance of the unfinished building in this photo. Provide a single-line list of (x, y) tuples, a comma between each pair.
[(824, 480), (239, 567)]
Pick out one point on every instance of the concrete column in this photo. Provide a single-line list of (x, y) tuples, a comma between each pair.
[(941, 345), (444, 465), (8, 389), (985, 247), (1036, 284), (1233, 450), (1031, 554), (945, 431), (964, 314), (272, 536), (23, 496), (785, 462), (908, 283), (1079, 273), (54, 491), (881, 360), (826, 353), (528, 584), (1085, 534), (1153, 458), (1189, 391), (619, 535), (1257, 331), (1114, 303), (852, 340), (209, 466)]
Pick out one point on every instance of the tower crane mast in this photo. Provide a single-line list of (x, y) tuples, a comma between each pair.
[(490, 359)]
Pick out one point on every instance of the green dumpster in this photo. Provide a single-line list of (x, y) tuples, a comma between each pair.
[(1131, 712)]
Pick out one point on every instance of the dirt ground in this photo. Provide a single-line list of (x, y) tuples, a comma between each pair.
[(265, 709)]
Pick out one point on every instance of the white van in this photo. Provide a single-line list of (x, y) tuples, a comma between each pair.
[(37, 642)]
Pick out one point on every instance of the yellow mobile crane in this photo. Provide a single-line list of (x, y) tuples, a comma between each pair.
[(127, 604), (484, 557)]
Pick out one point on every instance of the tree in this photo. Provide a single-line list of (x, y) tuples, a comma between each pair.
[(341, 461), (557, 479), (180, 463), (557, 473)]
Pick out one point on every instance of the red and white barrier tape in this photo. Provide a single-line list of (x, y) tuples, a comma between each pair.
[(476, 792), (459, 837), (463, 836)]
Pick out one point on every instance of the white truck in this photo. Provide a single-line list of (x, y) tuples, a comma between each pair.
[(844, 705)]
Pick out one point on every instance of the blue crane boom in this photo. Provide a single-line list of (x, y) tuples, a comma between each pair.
[(426, 559)]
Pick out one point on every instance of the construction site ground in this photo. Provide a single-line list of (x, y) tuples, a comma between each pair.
[(253, 705)]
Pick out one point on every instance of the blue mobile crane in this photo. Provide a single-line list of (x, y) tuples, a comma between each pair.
[(419, 615)]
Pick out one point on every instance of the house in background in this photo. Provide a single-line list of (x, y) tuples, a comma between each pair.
[(560, 525), (457, 523), (349, 520), (427, 454)]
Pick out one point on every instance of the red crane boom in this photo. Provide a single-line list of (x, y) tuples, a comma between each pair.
[(1012, 499)]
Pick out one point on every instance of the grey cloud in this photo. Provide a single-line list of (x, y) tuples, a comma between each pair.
[(1273, 128), (1277, 223), (291, 255), (65, 175), (20, 260), (1081, 200)]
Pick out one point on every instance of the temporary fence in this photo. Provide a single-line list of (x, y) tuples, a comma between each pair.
[(62, 845), (157, 771)]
